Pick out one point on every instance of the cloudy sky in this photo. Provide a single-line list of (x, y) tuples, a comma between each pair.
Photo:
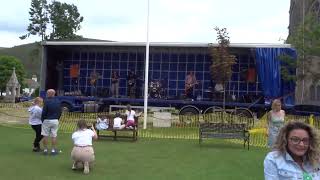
[(247, 21)]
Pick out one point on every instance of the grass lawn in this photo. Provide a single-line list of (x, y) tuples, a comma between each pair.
[(152, 159)]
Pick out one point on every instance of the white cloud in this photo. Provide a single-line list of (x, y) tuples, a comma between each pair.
[(170, 20), (9, 39)]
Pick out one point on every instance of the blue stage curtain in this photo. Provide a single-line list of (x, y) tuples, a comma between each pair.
[(268, 65)]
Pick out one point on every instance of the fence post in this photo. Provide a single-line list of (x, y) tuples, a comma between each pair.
[(311, 120)]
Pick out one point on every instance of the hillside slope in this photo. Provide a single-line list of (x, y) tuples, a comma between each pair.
[(27, 54)]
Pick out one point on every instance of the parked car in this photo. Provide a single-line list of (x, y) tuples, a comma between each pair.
[(24, 98)]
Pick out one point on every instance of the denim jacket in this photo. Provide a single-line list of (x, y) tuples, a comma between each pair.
[(278, 166)]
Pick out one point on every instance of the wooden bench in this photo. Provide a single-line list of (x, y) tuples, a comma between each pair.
[(115, 133), (224, 131)]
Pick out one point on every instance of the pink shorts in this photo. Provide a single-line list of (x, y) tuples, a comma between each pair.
[(130, 123)]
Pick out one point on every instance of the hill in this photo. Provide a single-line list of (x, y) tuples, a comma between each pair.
[(27, 53)]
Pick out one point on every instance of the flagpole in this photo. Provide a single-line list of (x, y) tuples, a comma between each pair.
[(146, 72)]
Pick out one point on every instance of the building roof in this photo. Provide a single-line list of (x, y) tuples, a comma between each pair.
[(161, 44), (13, 81)]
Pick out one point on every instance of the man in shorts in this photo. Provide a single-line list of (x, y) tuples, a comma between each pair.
[(50, 121)]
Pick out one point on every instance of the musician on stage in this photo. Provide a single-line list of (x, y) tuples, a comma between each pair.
[(190, 82), (94, 76), (114, 84), (131, 80)]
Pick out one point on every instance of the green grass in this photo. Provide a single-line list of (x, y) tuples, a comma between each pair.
[(145, 159)]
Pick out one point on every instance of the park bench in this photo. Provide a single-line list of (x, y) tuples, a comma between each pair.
[(120, 133), (225, 131)]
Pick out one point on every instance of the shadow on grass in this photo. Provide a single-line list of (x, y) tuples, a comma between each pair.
[(119, 139), (220, 144)]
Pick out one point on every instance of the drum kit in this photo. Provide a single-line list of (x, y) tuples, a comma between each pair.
[(156, 89)]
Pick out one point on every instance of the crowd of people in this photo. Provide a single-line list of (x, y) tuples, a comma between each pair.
[(45, 123), (294, 146)]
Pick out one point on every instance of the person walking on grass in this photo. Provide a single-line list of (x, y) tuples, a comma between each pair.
[(82, 153), (35, 121), (275, 120), (50, 121)]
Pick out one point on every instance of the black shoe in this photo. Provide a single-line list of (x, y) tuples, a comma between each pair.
[(54, 153), (36, 149)]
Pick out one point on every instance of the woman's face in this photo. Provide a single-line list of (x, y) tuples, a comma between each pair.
[(298, 142), (277, 106)]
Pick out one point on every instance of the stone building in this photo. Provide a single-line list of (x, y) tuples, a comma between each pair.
[(299, 9), (308, 88)]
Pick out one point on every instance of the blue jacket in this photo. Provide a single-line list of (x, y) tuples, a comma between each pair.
[(51, 109), (279, 166)]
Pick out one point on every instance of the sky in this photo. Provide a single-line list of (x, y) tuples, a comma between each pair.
[(247, 21)]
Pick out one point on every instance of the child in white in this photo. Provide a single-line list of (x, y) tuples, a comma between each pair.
[(131, 114), (130, 117), (102, 123), (117, 122), (35, 121)]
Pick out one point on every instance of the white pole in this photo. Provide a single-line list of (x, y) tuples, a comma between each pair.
[(146, 75), (303, 54)]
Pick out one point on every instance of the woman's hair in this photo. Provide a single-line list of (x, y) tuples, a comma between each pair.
[(102, 116), (274, 102), (82, 124), (37, 100), (281, 143)]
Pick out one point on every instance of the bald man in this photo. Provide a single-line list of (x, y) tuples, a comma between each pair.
[(50, 121)]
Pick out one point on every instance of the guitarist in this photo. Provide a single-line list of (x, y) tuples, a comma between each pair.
[(131, 80), (115, 84), (94, 76), (190, 82)]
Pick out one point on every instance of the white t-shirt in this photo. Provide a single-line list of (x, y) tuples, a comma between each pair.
[(83, 137), (35, 115), (130, 115), (117, 122)]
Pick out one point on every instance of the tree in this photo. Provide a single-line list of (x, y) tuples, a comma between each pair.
[(65, 20), (222, 60), (55, 21), (38, 19), (7, 63)]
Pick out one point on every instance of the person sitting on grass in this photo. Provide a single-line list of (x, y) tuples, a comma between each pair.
[(82, 153), (102, 122), (118, 122)]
